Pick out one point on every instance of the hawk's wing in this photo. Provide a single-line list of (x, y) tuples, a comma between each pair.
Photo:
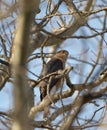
[(52, 66)]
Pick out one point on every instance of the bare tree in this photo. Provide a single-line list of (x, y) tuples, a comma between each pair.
[(30, 33)]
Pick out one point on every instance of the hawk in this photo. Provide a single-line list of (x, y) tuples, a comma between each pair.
[(57, 62)]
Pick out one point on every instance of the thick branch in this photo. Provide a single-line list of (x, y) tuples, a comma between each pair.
[(70, 29), (75, 109), (46, 102)]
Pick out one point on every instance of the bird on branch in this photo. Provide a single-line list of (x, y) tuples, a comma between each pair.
[(47, 86)]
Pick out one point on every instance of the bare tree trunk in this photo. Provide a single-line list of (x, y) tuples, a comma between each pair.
[(23, 95)]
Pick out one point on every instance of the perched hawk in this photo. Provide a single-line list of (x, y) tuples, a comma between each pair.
[(57, 62)]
